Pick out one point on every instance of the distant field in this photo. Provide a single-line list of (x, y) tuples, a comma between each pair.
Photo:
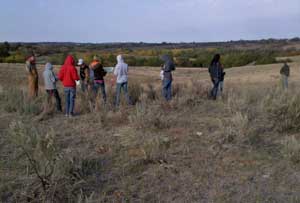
[(263, 74), (244, 147), (292, 58)]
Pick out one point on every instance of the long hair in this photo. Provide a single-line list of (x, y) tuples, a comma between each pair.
[(216, 59)]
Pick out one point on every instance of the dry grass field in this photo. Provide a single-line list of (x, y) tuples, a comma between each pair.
[(244, 147)]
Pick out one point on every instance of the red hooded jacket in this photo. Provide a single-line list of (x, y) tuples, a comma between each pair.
[(68, 73)]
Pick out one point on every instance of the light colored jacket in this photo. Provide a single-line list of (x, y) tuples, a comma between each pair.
[(121, 70), (49, 77)]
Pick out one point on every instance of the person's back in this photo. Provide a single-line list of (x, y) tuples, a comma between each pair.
[(285, 70), (68, 73), (32, 76), (168, 67), (49, 77), (121, 70), (215, 70), (285, 73), (99, 72)]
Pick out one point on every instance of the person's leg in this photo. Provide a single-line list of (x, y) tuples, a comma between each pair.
[(82, 85), (72, 100), (125, 89), (67, 100), (215, 89), (286, 84), (169, 90), (221, 83), (95, 89), (58, 100), (165, 89), (103, 92), (118, 91)]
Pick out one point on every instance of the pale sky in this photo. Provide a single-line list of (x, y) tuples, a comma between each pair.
[(147, 20)]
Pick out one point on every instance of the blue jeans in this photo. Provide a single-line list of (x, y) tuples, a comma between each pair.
[(214, 91), (285, 82), (70, 95), (123, 86), (167, 89), (96, 88), (83, 86), (221, 86)]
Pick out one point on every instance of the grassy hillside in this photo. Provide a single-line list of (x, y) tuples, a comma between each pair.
[(244, 147)]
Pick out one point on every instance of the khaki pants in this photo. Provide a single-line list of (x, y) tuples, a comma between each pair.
[(33, 83)]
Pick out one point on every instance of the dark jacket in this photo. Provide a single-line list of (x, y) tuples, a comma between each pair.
[(99, 72), (84, 72), (215, 70), (285, 70), (168, 67)]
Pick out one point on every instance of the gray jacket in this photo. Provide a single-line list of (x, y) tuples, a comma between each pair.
[(168, 67), (49, 77)]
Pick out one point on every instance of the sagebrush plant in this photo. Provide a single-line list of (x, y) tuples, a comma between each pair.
[(291, 149), (16, 101), (283, 109), (50, 176), (150, 116)]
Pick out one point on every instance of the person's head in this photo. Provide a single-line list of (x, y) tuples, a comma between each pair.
[(96, 58), (165, 58), (216, 59), (285, 63), (48, 66), (80, 62), (120, 59)]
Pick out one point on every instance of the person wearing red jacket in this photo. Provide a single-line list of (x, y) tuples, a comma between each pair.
[(68, 75)]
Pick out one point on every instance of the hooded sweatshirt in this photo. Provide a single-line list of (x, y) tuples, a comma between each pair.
[(168, 67), (285, 70), (216, 70), (68, 73), (49, 77), (121, 70)]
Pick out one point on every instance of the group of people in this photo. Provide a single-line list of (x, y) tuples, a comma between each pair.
[(91, 79)]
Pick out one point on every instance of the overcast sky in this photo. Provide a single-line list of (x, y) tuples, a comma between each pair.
[(147, 20)]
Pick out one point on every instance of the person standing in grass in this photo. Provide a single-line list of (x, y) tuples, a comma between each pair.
[(285, 74), (68, 75), (121, 72), (33, 77), (99, 74), (84, 73), (221, 84), (50, 85), (215, 70), (167, 78)]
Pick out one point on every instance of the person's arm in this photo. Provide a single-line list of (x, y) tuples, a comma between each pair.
[(61, 74), (75, 74), (116, 71), (52, 77)]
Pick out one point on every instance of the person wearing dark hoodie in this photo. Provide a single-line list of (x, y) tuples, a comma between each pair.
[(285, 73), (167, 68), (50, 85), (68, 75), (215, 70), (99, 74)]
